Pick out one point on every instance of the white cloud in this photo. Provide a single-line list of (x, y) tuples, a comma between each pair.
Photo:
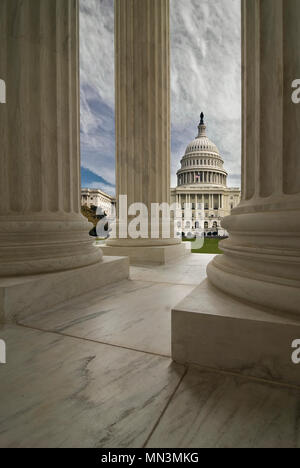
[(106, 188), (97, 47)]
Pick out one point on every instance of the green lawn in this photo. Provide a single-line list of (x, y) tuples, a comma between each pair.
[(211, 246)]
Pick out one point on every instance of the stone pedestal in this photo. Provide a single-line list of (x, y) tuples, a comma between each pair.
[(25, 295), (261, 261), (41, 228), (150, 255), (142, 46), (214, 330)]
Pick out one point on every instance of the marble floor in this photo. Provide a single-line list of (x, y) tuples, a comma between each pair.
[(96, 372)]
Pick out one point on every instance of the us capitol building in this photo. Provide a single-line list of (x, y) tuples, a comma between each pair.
[(202, 185)]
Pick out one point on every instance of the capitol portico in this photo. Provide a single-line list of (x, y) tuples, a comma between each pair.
[(98, 198), (202, 185)]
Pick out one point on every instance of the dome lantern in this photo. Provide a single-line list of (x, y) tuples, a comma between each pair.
[(201, 127)]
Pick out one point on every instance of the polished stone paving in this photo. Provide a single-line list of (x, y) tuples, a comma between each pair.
[(96, 372), (215, 410), (132, 314)]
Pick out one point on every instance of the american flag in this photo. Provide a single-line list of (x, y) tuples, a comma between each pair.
[(198, 176)]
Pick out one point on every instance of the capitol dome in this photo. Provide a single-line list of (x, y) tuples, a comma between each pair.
[(202, 162)]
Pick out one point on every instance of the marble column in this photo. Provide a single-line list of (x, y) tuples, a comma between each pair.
[(41, 227), (47, 255), (142, 49), (261, 261)]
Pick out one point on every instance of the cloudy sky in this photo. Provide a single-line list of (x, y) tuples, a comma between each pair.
[(205, 75)]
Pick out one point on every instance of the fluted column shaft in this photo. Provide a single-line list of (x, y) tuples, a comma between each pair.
[(142, 50), (271, 121), (41, 228), (143, 100), (261, 261)]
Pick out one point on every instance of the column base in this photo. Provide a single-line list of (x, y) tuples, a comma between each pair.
[(39, 246), (212, 329), (261, 261), (151, 255), (23, 296)]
